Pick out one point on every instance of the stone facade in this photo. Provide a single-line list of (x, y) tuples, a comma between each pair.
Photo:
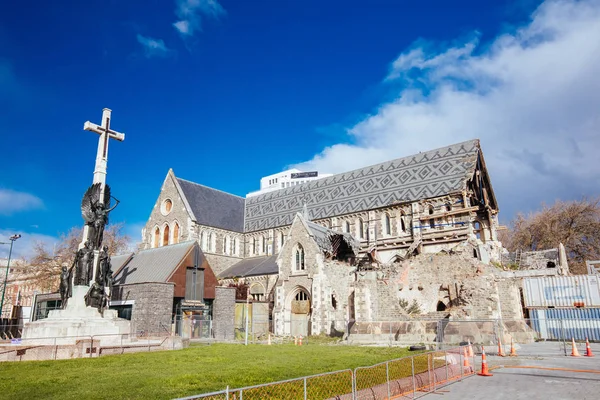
[(152, 305)]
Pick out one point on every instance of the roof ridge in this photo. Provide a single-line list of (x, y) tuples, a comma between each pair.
[(211, 188)]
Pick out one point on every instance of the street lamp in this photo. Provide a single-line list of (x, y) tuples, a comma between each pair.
[(12, 241)]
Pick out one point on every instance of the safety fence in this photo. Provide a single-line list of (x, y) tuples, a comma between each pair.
[(409, 377), (67, 347)]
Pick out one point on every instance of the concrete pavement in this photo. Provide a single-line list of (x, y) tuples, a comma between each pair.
[(513, 383)]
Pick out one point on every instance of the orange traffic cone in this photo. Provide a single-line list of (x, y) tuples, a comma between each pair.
[(269, 340), (500, 351), (466, 362), (470, 350), (513, 352), (300, 341), (588, 349), (574, 351), (484, 366)]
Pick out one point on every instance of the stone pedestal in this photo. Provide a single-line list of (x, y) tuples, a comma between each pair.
[(78, 322)]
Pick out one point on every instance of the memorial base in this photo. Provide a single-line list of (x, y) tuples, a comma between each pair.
[(77, 321)]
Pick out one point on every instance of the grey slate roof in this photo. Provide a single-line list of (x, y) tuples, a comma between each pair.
[(212, 207), (117, 262), (265, 265), (154, 265), (425, 175)]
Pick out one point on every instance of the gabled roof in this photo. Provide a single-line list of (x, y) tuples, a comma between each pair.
[(425, 175), (154, 265), (212, 207), (265, 265)]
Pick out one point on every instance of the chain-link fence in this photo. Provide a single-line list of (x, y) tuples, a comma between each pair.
[(409, 376), (67, 347)]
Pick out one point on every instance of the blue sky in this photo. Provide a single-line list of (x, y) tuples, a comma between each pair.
[(226, 92)]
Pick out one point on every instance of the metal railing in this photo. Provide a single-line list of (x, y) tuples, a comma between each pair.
[(413, 376)]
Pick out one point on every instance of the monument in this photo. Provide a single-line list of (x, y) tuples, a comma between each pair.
[(85, 286)]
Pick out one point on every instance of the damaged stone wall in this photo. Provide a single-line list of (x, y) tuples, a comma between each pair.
[(455, 284)]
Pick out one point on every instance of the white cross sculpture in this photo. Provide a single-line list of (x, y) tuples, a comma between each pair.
[(102, 155)]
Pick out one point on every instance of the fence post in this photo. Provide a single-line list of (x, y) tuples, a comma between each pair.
[(227, 393), (563, 334), (387, 378), (461, 365), (446, 364), (412, 366), (354, 384), (305, 393)]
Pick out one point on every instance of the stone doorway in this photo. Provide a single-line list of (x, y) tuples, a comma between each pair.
[(300, 313)]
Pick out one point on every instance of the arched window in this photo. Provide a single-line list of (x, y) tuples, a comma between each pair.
[(432, 223), (176, 233), (402, 223), (264, 245), (166, 235), (431, 210), (226, 245), (361, 229), (253, 246), (235, 247), (347, 227), (156, 242), (204, 241), (299, 258), (478, 230), (281, 240), (301, 296), (448, 207), (387, 224), (213, 242)]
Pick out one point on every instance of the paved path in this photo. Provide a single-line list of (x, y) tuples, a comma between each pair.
[(529, 383)]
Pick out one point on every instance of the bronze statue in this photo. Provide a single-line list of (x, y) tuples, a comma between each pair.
[(95, 212), (84, 261), (65, 285), (96, 297), (103, 266)]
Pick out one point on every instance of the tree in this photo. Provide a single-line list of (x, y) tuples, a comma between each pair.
[(43, 269), (575, 224)]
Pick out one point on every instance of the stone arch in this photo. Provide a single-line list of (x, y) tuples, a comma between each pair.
[(156, 240), (299, 258), (441, 306), (212, 242), (166, 235), (175, 232), (298, 303), (257, 291), (386, 223), (360, 228)]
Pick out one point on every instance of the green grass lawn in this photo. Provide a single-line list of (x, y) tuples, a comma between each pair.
[(169, 374)]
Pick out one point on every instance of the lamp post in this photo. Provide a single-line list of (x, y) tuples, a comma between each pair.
[(12, 241)]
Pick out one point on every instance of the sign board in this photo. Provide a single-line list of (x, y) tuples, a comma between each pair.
[(311, 174), (192, 303), (15, 341)]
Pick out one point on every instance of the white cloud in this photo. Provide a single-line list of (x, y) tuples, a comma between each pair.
[(154, 47), (12, 201), (23, 247), (532, 96), (191, 12)]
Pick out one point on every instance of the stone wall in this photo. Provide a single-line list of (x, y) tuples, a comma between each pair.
[(224, 313), (159, 218), (152, 305)]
